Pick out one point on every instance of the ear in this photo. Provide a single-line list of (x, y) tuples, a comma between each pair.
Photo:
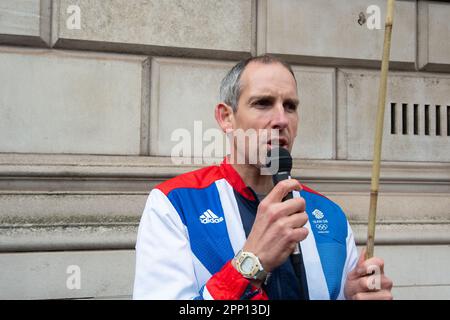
[(224, 116)]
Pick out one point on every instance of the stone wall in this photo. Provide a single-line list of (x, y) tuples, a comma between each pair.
[(87, 116)]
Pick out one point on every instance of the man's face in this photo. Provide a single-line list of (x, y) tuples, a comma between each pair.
[(268, 101)]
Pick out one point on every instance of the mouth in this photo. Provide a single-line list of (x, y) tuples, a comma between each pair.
[(280, 142)]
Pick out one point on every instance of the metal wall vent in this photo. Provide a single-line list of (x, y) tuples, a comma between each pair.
[(419, 119)]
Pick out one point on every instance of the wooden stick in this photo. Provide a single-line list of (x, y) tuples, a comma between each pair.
[(379, 130)]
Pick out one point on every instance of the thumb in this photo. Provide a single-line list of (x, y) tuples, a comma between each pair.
[(360, 269), (362, 257)]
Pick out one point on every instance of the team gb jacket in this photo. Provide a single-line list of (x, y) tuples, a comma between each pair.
[(192, 226)]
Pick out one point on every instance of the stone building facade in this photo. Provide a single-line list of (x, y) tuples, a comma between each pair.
[(91, 92)]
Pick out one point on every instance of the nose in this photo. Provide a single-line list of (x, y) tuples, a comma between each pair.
[(279, 119)]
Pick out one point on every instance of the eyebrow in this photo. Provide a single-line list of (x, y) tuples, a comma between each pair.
[(269, 97)]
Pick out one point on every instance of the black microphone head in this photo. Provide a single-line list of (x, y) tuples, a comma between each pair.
[(280, 156)]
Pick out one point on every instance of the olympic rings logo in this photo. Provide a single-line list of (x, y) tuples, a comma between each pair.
[(321, 226)]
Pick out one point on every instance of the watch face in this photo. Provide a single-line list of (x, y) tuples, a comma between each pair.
[(247, 265)]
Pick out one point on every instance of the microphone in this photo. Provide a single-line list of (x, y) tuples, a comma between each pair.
[(281, 159)]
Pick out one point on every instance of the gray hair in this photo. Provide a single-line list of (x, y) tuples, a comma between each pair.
[(230, 87)]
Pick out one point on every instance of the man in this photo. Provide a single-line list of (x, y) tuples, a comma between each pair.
[(224, 232)]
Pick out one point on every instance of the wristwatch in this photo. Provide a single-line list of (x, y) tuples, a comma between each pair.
[(249, 266)]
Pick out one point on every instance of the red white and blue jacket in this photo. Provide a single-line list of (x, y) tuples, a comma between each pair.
[(194, 224)]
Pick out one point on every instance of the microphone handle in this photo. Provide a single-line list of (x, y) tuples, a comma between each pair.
[(297, 263), (297, 249)]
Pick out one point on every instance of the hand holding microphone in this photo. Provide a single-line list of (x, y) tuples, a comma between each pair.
[(281, 158), (283, 163), (279, 223), (280, 220)]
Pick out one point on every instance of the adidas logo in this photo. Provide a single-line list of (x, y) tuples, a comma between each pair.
[(210, 217)]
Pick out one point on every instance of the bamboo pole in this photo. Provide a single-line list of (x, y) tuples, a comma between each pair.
[(379, 130)]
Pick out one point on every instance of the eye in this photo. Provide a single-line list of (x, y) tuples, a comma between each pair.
[(263, 103), (290, 106)]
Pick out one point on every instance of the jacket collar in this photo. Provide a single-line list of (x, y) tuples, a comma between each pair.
[(235, 180)]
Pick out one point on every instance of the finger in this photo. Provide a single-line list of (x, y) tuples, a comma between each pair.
[(374, 283), (277, 211), (359, 270), (296, 220), (281, 189), (376, 295), (298, 234), (370, 266), (289, 207), (386, 283), (369, 283), (362, 257)]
